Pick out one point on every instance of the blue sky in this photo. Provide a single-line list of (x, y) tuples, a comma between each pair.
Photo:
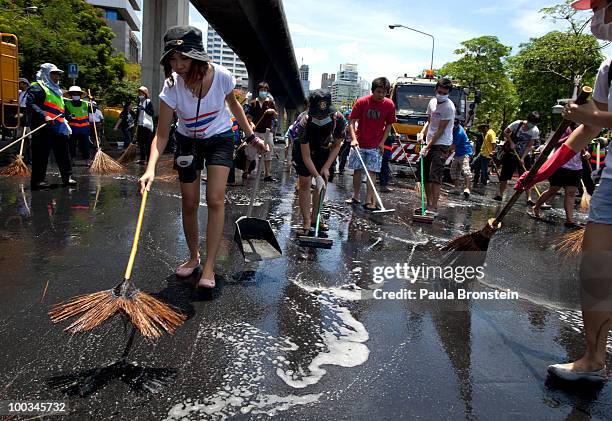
[(327, 33)]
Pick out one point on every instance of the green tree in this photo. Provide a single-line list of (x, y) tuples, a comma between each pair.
[(62, 32), (482, 66), (553, 66)]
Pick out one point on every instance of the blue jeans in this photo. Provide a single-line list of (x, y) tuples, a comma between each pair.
[(385, 171), (480, 168)]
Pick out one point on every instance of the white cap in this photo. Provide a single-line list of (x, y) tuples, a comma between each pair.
[(52, 68), (75, 89)]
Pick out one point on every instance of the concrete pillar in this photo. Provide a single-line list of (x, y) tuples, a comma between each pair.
[(158, 15)]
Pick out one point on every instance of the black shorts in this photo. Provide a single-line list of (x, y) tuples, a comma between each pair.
[(564, 177), (509, 165), (318, 159), (433, 165), (215, 150)]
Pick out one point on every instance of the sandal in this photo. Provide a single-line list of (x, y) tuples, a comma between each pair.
[(369, 207), (322, 227), (572, 225), (352, 201), (303, 232), (184, 272), (205, 283)]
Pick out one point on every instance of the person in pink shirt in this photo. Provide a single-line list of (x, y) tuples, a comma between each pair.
[(370, 123)]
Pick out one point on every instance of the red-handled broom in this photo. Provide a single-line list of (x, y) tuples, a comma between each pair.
[(479, 240)]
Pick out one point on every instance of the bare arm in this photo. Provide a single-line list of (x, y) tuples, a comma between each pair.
[(305, 149), (353, 132), (237, 111), (159, 144), (528, 149), (593, 116), (385, 135)]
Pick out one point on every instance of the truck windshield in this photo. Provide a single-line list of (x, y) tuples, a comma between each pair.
[(413, 99)]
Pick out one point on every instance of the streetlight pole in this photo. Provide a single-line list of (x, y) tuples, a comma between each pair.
[(433, 40)]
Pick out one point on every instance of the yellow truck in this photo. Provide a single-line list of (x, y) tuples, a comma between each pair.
[(9, 81)]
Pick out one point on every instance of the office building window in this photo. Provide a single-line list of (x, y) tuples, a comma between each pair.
[(111, 15)]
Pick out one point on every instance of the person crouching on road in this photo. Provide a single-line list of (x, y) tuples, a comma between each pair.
[(198, 91), (77, 114), (45, 102), (374, 115), (318, 135)]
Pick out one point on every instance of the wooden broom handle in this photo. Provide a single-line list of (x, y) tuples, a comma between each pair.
[(552, 144), (93, 122), (143, 202), (30, 132)]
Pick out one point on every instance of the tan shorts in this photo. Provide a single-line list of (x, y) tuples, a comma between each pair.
[(460, 168)]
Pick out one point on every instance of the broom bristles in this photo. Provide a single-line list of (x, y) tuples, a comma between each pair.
[(151, 316), (585, 201), (17, 168), (104, 164), (148, 314), (129, 155), (570, 243)]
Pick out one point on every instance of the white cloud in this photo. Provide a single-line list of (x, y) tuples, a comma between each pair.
[(311, 55), (530, 23)]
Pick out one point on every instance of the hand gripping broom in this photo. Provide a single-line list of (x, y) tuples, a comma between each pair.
[(479, 241), (148, 314)]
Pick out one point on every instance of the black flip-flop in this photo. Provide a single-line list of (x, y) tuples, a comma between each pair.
[(540, 218), (322, 227), (370, 209), (572, 225)]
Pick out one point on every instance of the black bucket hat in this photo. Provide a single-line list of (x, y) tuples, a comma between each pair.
[(320, 103), (186, 40)]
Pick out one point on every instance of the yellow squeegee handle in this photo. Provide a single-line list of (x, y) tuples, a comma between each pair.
[(128, 270)]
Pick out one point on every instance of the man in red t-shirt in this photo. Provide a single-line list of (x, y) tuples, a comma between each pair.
[(370, 123)]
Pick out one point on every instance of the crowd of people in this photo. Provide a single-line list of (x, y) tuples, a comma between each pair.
[(198, 96)]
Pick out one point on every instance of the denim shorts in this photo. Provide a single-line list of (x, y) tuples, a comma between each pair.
[(600, 210), (371, 157)]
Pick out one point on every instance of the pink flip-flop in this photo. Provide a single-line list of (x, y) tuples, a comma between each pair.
[(206, 283), (184, 272)]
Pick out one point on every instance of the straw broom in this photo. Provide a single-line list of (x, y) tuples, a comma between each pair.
[(102, 163), (479, 240), (18, 168), (149, 315), (129, 155), (570, 243)]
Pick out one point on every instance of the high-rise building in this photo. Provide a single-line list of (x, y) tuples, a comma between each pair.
[(327, 80), (120, 15), (304, 73), (221, 53), (345, 89)]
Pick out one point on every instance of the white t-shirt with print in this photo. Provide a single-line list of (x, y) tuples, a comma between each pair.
[(603, 93), (437, 112), (214, 117), (523, 137)]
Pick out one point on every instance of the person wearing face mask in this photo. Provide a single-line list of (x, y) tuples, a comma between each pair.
[(596, 256), (438, 132), (318, 136), (45, 104), (520, 137), (77, 114), (144, 119), (263, 110)]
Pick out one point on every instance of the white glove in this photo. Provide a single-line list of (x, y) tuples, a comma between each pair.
[(320, 183), (420, 137), (424, 151)]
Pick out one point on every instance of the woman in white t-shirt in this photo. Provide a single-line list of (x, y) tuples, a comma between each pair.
[(198, 91)]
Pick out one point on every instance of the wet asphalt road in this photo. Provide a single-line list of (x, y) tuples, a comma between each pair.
[(293, 338)]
